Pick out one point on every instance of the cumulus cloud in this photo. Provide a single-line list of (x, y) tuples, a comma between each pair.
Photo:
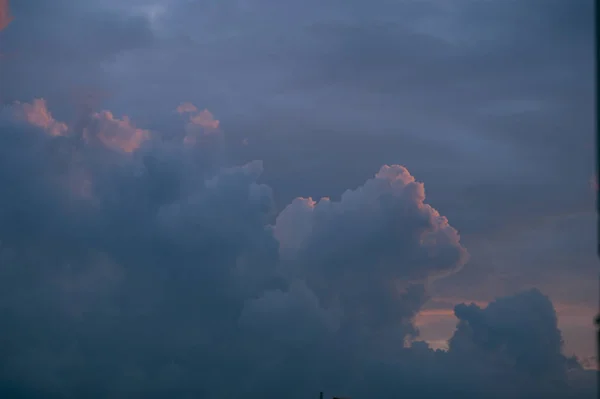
[(371, 251), (295, 314), (37, 114), (387, 210), (185, 108), (200, 123), (114, 133), (509, 349), (520, 332), (166, 279)]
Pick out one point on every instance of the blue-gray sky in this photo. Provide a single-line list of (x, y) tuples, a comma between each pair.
[(489, 103)]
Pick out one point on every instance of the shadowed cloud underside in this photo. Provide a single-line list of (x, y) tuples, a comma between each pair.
[(137, 263)]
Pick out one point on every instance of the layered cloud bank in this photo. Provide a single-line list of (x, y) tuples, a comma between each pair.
[(134, 264)]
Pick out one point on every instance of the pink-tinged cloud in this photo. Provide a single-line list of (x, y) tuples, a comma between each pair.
[(102, 127), (5, 17), (205, 119), (388, 206), (185, 108), (37, 114), (116, 134), (200, 123)]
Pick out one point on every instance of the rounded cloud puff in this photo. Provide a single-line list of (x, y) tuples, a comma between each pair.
[(385, 218)]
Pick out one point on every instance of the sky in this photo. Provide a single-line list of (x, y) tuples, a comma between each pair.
[(260, 198)]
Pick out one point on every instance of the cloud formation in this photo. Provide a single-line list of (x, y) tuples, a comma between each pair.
[(37, 114), (5, 17), (520, 331), (56, 47), (133, 265), (114, 133), (200, 123)]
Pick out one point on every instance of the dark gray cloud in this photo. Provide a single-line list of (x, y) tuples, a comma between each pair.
[(54, 50), (474, 83), (134, 270), (489, 102), (522, 327), (520, 333), (495, 93)]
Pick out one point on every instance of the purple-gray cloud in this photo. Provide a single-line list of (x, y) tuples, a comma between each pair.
[(488, 102), (154, 270)]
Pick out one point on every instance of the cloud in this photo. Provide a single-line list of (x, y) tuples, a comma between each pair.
[(436, 322), (186, 108), (297, 312), (523, 328), (5, 17), (55, 48), (168, 279), (521, 335), (37, 114), (373, 219), (114, 133), (102, 127), (204, 119), (371, 251), (201, 123)]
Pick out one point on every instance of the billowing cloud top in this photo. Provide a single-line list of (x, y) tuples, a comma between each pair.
[(114, 133), (520, 332), (37, 114), (377, 218), (134, 265)]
